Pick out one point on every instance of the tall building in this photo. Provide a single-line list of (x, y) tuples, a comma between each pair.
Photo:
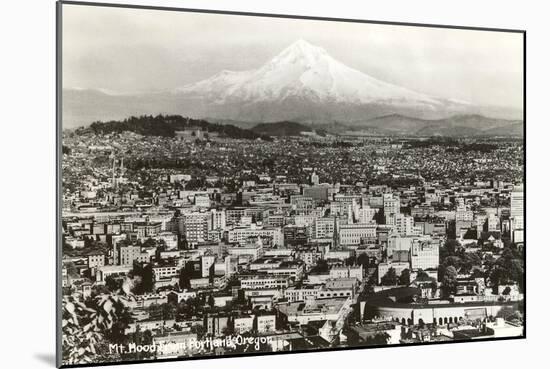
[(493, 223), (463, 214), (242, 234), (194, 226), (217, 219), (366, 214), (129, 254), (207, 261), (404, 224), (324, 227), (516, 214), (392, 205), (516, 208), (314, 179)]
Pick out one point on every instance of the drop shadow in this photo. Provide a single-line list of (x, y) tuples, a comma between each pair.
[(46, 358)]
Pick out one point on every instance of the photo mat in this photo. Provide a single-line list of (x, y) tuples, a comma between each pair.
[(250, 184)]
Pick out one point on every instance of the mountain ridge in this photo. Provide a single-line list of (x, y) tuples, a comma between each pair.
[(398, 125)]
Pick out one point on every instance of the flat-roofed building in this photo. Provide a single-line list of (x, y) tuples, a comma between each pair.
[(355, 234)]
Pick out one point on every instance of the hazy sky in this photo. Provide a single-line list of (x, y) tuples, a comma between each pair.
[(134, 50)]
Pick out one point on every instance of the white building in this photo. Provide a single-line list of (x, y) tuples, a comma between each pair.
[(352, 234), (324, 227), (516, 213), (392, 205), (241, 234), (424, 255), (265, 323), (206, 264), (347, 272), (217, 219), (194, 226), (257, 281), (242, 324)]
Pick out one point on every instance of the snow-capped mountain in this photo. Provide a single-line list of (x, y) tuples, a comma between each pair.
[(303, 83), (304, 71)]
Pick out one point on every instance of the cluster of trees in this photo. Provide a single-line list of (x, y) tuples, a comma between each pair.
[(142, 276), (363, 259), (167, 125), (452, 253), (65, 150), (392, 279), (451, 144), (284, 128), (404, 279), (507, 269), (454, 260), (432, 141), (320, 267)]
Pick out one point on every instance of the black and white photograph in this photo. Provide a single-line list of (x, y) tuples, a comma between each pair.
[(247, 184)]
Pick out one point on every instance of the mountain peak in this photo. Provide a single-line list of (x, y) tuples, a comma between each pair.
[(304, 74), (303, 46), (301, 52)]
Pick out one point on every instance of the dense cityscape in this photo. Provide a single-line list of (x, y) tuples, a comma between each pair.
[(200, 244)]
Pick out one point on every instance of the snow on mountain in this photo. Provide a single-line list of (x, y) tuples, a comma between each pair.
[(305, 71), (302, 84)]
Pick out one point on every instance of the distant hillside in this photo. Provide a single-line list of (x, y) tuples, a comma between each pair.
[(236, 123), (167, 125), (515, 130), (395, 123), (454, 126), (447, 131), (281, 129)]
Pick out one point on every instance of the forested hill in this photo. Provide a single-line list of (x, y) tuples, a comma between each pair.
[(285, 128), (167, 125)]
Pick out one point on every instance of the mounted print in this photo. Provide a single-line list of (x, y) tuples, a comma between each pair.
[(246, 184)]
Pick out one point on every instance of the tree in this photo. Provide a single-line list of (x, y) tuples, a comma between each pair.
[(390, 278), (448, 283), (469, 261), (185, 276), (422, 274), (112, 284), (363, 259), (145, 281), (450, 248), (405, 277), (321, 266), (199, 330), (87, 327), (509, 268), (150, 242), (380, 338)]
